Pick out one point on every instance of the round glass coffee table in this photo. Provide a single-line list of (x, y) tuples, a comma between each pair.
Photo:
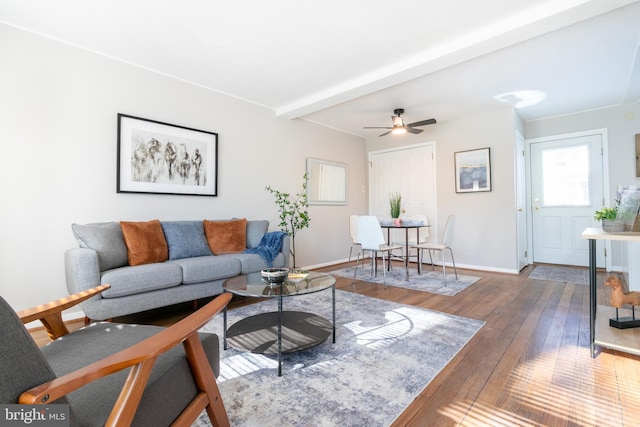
[(280, 331)]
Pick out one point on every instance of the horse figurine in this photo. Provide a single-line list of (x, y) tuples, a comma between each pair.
[(618, 297)]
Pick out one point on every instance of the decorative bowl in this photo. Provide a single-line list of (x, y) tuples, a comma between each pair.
[(275, 275)]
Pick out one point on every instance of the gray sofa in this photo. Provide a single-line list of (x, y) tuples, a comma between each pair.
[(190, 272)]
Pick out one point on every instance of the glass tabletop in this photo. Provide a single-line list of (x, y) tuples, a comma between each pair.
[(298, 283)]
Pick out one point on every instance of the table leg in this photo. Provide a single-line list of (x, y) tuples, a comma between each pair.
[(592, 295), (224, 327), (418, 264), (280, 334), (406, 254), (333, 291)]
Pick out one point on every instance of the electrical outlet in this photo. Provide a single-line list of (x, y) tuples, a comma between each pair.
[(363, 189)]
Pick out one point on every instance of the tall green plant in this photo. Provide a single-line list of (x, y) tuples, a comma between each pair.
[(394, 204), (294, 215)]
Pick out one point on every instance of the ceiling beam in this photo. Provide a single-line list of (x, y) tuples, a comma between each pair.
[(538, 20)]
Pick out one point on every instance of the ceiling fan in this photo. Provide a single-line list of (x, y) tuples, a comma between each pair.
[(398, 124)]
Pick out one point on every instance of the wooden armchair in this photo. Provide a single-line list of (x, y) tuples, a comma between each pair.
[(113, 374)]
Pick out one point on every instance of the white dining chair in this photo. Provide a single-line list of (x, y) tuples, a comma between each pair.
[(353, 232), (372, 239), (443, 245)]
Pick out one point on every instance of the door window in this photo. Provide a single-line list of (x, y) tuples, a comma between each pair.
[(565, 175)]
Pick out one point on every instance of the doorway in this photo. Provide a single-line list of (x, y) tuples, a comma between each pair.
[(566, 188), (409, 171), (521, 203)]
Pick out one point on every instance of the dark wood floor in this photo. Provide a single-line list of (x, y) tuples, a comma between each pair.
[(528, 366)]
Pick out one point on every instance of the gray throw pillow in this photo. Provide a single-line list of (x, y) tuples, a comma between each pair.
[(186, 239), (255, 230), (106, 239)]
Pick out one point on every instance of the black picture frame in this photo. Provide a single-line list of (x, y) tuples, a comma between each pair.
[(473, 170), (161, 158)]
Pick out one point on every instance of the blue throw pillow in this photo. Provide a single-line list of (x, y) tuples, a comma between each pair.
[(185, 239)]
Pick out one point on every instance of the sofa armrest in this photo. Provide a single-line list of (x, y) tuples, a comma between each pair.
[(82, 269)]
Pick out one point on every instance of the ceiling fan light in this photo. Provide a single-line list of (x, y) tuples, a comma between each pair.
[(399, 130)]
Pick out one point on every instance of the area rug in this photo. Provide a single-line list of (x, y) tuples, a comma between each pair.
[(428, 281), (575, 275), (385, 354)]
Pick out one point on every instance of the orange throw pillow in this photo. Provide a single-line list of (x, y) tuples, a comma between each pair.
[(145, 242), (226, 237)]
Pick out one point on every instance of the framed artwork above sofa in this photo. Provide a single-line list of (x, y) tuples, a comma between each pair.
[(161, 158)]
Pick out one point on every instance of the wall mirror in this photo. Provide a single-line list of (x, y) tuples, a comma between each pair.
[(327, 182)]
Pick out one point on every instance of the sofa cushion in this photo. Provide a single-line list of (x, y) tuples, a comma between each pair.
[(133, 280), (226, 237), (185, 239), (255, 230), (208, 268), (145, 242), (170, 372), (106, 239)]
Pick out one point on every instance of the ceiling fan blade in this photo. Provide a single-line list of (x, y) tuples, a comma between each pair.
[(386, 133), (377, 127), (423, 122), (413, 130)]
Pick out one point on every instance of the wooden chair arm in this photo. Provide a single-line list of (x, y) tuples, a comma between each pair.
[(139, 354), (50, 314)]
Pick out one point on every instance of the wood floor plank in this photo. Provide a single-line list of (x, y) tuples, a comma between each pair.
[(530, 365)]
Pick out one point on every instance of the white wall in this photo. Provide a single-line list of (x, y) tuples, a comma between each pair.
[(58, 116), (485, 233)]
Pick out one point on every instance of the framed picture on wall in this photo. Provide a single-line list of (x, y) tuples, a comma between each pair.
[(161, 158), (473, 170)]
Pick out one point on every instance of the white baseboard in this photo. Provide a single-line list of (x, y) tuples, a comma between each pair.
[(464, 266)]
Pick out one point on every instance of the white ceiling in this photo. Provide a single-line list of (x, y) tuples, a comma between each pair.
[(348, 63)]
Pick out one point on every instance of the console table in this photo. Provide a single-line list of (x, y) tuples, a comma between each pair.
[(600, 333)]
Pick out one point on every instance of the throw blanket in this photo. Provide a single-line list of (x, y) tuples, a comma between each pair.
[(269, 247)]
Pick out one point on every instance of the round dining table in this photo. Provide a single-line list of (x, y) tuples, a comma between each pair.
[(406, 225)]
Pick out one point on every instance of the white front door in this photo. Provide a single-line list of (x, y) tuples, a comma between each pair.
[(409, 171), (566, 189)]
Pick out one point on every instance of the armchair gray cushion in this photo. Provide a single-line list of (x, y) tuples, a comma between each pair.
[(170, 387), (23, 365)]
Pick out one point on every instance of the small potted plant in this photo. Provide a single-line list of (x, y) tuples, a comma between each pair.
[(608, 217), (394, 203)]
